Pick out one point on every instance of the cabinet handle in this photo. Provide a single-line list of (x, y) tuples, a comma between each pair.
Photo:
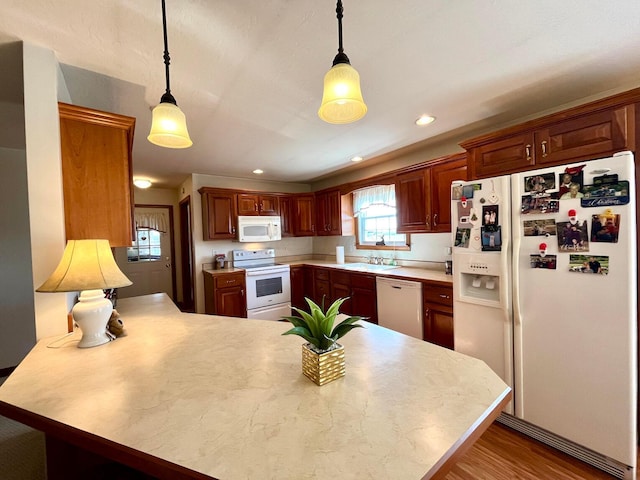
[(544, 148), (242, 293), (427, 222), (435, 220), (442, 295), (233, 230), (528, 150), (255, 207)]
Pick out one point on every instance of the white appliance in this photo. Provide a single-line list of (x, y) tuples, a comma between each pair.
[(268, 284), (400, 305), (259, 228), (545, 293)]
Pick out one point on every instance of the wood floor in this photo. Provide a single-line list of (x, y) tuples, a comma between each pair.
[(504, 454)]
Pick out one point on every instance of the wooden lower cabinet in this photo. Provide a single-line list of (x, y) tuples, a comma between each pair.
[(438, 314), (321, 286), (340, 288), (301, 286), (224, 294), (363, 296)]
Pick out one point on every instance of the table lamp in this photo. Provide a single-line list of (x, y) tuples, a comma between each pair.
[(88, 266)]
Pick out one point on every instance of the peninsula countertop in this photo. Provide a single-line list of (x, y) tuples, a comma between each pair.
[(201, 396)]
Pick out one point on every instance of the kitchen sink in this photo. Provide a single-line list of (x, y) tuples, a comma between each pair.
[(367, 267)]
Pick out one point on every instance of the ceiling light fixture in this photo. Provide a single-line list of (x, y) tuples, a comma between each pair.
[(356, 159), (342, 98), (425, 120), (142, 182), (257, 171), (169, 125)]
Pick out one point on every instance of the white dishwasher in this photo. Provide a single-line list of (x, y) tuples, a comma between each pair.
[(400, 305)]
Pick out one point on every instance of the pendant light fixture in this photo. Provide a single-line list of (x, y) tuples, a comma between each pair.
[(169, 125), (342, 99)]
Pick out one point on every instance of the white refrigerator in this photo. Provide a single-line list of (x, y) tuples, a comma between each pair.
[(545, 293)]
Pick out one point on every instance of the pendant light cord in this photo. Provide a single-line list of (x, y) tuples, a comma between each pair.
[(341, 57), (167, 97)]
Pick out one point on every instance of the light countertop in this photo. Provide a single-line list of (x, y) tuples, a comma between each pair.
[(406, 273), (226, 397)]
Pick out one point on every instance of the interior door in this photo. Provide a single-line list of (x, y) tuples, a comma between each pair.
[(148, 263)]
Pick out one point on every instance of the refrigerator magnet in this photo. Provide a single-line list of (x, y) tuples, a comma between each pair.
[(544, 227), (491, 239), (605, 195), (464, 212), (571, 175), (572, 236), (547, 262), (605, 227), (598, 264), (536, 184), (462, 237), (544, 203), (490, 216)]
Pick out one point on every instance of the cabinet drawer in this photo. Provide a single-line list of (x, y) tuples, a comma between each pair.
[(438, 294), (363, 281), (343, 278), (321, 274), (229, 280)]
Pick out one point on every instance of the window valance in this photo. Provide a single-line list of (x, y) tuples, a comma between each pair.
[(155, 220), (378, 195)]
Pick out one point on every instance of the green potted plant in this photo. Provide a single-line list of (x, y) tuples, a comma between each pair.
[(322, 356)]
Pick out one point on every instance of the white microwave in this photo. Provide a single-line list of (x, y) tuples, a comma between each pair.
[(259, 229)]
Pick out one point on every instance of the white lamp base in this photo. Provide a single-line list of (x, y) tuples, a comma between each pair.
[(92, 314)]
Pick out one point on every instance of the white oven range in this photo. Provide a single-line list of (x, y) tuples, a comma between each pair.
[(268, 284)]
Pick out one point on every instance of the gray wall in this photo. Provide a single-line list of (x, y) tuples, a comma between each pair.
[(17, 309)]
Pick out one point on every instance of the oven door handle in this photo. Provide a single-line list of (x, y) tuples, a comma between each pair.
[(266, 271)]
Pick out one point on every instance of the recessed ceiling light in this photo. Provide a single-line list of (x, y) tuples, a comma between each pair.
[(357, 159), (142, 183), (425, 120), (257, 171)]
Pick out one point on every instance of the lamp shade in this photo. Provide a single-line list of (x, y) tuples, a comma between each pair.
[(342, 98), (169, 127), (85, 265)]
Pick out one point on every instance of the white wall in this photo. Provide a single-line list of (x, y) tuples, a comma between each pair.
[(44, 170)]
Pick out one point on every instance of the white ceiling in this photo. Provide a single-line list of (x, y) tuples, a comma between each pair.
[(248, 73)]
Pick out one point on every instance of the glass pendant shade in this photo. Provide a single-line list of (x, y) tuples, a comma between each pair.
[(169, 127), (342, 98)]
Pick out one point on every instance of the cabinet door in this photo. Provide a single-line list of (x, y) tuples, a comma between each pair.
[(341, 288), (329, 214), (304, 221), (286, 216), (96, 174), (438, 326), (441, 177), (269, 205), (363, 296), (218, 214), (586, 137), (512, 154), (231, 302), (413, 202), (298, 287), (248, 204)]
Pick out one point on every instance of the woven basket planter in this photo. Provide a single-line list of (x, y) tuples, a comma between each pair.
[(325, 367)]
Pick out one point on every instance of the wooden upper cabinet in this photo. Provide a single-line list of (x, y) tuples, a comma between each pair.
[(218, 214), (590, 136), (287, 215), (597, 129), (510, 154), (97, 174), (258, 204), (413, 202), (441, 177), (304, 222), (423, 197)]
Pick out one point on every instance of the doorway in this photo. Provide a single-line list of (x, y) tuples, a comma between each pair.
[(149, 262), (186, 256)]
